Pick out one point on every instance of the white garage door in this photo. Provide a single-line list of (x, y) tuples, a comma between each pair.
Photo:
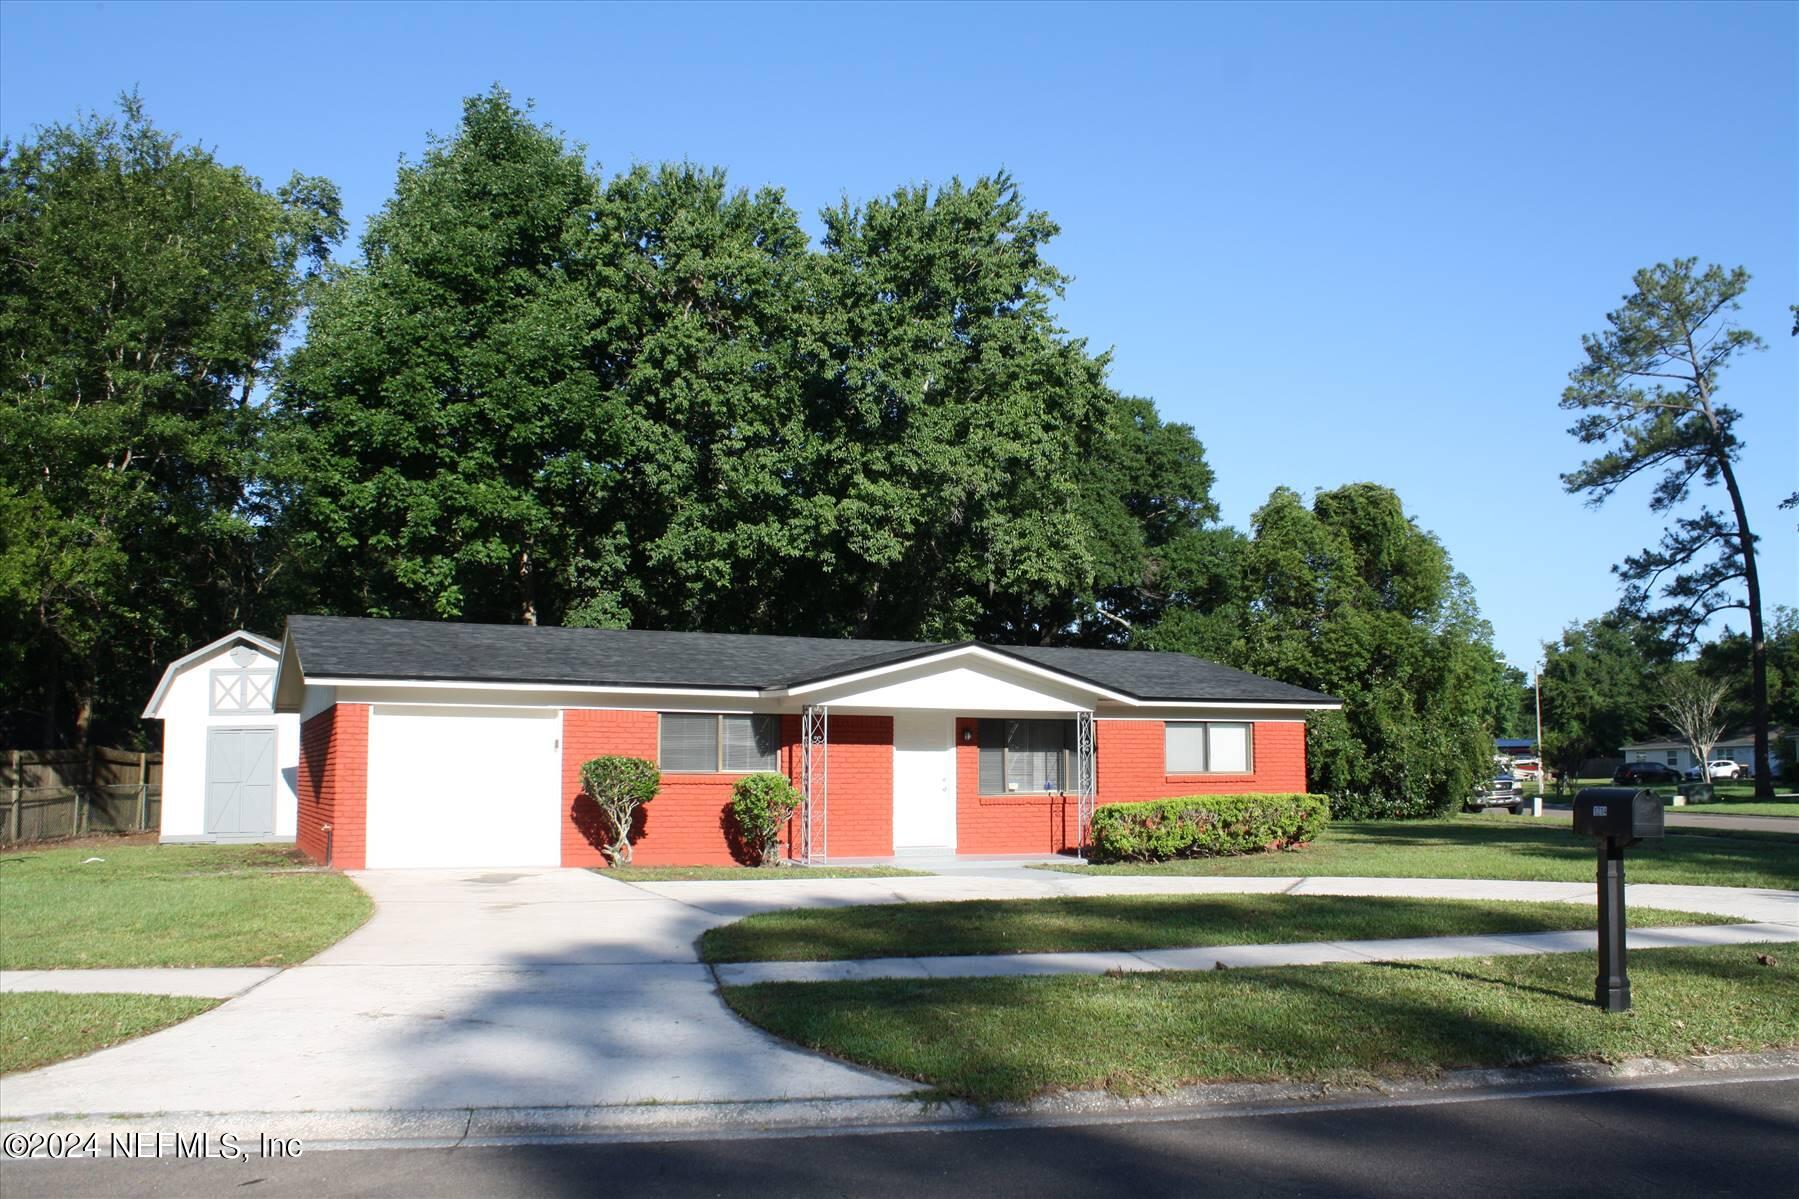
[(464, 787)]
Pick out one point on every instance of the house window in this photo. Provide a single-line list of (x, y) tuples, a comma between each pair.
[(1208, 747), (1028, 757), (712, 743), (1674, 757)]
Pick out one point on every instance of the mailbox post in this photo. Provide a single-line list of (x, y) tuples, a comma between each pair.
[(1618, 817)]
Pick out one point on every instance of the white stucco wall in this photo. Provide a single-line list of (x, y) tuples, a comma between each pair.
[(186, 715)]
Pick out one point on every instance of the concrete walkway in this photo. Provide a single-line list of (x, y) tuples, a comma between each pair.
[(207, 982), (1307, 953)]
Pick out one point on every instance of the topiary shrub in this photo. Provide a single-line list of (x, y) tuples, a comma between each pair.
[(619, 786), (1205, 826), (761, 806)]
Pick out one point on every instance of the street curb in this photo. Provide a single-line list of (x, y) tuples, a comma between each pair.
[(646, 1122)]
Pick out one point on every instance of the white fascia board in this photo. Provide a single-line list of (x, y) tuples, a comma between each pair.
[(951, 655), (182, 663), (1236, 705), (572, 688)]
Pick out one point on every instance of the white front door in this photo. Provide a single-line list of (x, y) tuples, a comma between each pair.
[(464, 787), (924, 780)]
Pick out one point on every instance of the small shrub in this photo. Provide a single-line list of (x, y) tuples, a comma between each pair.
[(761, 806), (619, 786), (1205, 826)]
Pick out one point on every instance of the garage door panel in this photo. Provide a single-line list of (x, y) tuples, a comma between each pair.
[(463, 787)]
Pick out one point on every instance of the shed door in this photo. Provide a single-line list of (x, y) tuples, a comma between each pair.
[(464, 787), (240, 784)]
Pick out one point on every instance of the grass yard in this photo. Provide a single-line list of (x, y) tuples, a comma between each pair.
[(1758, 807), (1132, 922), (994, 1039), (170, 905), (1499, 845), (747, 874), (39, 1027)]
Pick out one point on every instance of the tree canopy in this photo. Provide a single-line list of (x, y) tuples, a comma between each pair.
[(145, 289), (1350, 597)]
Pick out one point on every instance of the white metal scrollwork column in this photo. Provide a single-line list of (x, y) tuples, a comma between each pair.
[(1086, 778), (815, 771)]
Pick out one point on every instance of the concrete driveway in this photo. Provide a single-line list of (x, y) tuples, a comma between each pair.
[(467, 988)]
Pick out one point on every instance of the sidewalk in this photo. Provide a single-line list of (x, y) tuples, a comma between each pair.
[(1306, 953)]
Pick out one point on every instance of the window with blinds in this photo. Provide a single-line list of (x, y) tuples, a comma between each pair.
[(1030, 757), (1208, 747), (713, 743)]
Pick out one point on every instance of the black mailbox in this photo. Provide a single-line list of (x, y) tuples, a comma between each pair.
[(1621, 813), (1617, 817)]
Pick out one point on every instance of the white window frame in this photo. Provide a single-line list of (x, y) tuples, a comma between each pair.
[(718, 742), (1249, 747)]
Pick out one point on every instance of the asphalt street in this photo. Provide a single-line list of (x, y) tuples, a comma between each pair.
[(1722, 1138)]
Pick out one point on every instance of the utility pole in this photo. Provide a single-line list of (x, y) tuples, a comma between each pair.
[(1536, 807)]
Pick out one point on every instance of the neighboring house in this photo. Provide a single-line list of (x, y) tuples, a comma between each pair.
[(431, 744), (1515, 747), (1781, 749), (228, 760)]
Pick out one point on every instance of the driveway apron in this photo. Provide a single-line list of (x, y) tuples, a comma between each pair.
[(467, 988)]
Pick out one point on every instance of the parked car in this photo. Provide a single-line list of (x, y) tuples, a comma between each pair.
[(1723, 768), (1638, 774), (1502, 792)]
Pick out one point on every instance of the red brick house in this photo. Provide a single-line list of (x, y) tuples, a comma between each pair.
[(437, 744)]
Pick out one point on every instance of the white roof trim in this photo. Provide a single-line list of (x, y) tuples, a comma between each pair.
[(950, 655), (1232, 705), (241, 636)]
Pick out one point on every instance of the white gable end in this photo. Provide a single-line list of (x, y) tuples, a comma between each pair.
[(973, 686)]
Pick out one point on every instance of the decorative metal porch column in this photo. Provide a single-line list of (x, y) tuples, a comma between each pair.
[(815, 777), (1086, 778)]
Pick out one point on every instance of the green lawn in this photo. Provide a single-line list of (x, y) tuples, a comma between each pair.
[(39, 1027), (1131, 922), (1499, 845), (748, 874), (994, 1039), (170, 905), (1758, 807)]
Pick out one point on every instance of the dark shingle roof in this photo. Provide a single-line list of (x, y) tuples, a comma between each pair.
[(354, 647)]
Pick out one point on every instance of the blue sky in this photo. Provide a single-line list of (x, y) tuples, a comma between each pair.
[(1343, 242)]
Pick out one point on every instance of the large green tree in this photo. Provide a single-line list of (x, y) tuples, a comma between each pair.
[(145, 289), (1647, 395), (954, 415), (453, 446), (540, 396), (1727, 659), (1349, 596), (1600, 688)]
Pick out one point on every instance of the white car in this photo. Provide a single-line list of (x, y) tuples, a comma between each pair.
[(1723, 768)]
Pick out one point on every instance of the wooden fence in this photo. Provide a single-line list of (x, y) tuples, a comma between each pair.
[(57, 793)]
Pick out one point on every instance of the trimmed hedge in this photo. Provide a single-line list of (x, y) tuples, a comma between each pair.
[(1205, 826), (761, 806)]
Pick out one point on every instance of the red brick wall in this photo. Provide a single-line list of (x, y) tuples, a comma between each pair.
[(1130, 762), (1005, 823), (1130, 765), (333, 785), (685, 824), (859, 800)]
